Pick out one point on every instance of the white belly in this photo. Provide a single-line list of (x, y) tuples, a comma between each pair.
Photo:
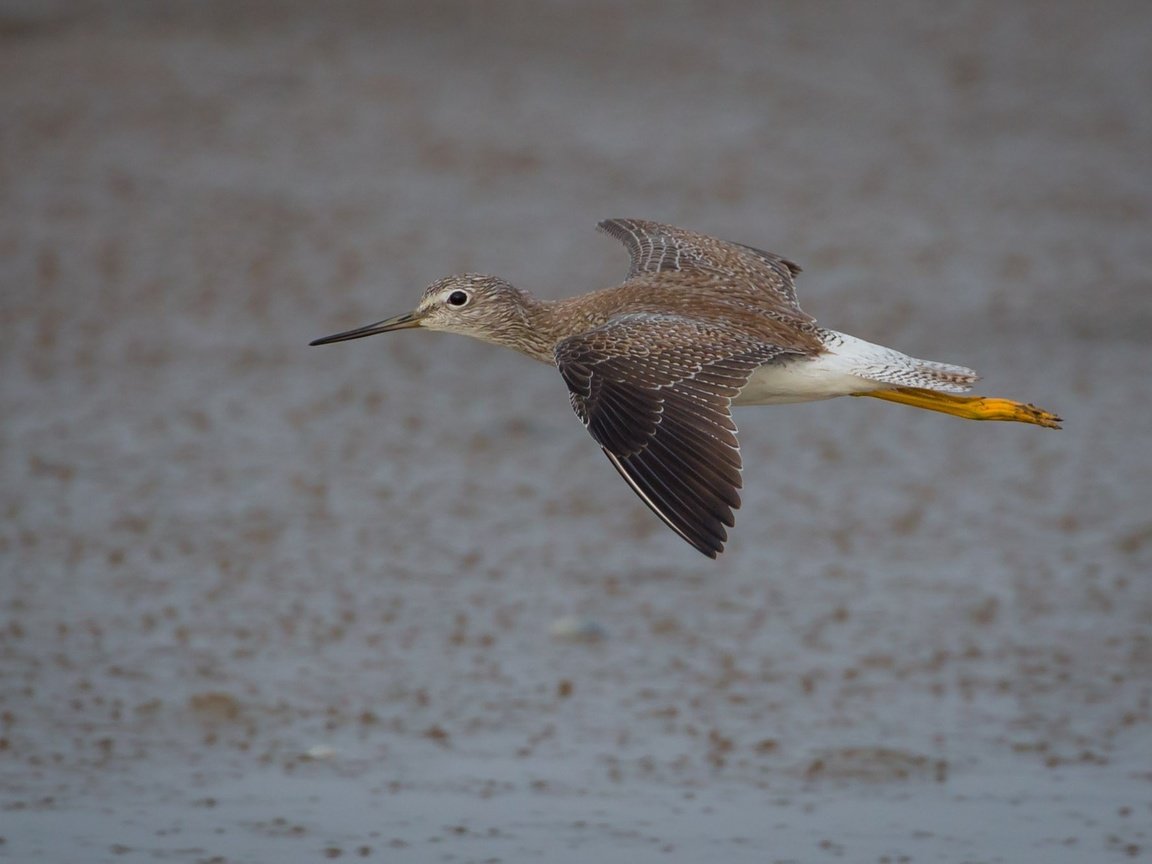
[(805, 380)]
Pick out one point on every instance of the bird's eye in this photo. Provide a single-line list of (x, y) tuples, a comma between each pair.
[(458, 298)]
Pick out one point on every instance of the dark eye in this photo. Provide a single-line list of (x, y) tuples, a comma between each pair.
[(457, 298)]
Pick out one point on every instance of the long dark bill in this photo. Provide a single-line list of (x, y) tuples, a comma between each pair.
[(400, 322)]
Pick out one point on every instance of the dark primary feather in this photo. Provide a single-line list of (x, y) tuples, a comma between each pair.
[(655, 392)]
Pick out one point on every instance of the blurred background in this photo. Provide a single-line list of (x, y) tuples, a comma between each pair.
[(260, 601)]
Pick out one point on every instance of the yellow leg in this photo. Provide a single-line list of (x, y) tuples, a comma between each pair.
[(968, 407)]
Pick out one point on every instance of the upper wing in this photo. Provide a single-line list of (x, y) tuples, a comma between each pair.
[(655, 392), (657, 248)]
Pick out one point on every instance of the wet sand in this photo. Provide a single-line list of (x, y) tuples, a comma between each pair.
[(386, 601)]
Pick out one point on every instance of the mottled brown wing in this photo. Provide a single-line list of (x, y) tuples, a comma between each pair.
[(655, 392), (657, 248)]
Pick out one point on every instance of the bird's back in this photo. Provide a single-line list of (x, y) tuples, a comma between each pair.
[(679, 272)]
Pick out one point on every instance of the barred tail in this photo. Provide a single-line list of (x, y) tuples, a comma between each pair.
[(884, 365), (931, 375)]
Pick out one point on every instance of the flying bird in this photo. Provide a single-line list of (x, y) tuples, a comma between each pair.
[(654, 365)]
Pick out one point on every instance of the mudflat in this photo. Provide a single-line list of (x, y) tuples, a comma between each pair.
[(385, 600)]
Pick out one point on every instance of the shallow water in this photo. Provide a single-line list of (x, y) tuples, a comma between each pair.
[(386, 601)]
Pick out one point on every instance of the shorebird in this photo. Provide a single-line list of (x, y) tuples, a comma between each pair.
[(655, 364)]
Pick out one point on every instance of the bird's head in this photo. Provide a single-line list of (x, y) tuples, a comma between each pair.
[(483, 307)]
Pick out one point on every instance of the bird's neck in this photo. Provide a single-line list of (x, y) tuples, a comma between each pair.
[(539, 324), (549, 321), (532, 331)]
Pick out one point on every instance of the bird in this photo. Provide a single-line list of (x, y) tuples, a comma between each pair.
[(654, 365)]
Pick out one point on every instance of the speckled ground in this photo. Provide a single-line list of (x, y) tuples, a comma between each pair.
[(385, 600)]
